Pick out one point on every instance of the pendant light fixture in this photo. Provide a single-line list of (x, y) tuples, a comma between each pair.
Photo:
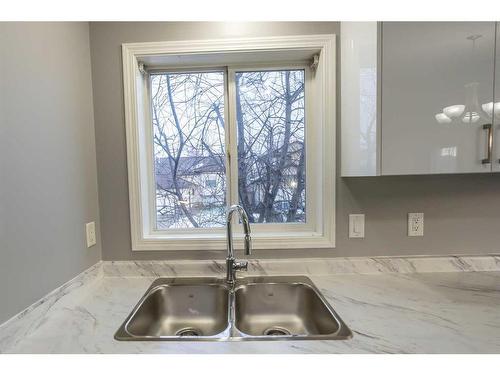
[(471, 112)]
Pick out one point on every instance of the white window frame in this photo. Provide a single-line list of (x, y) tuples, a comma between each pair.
[(319, 229)]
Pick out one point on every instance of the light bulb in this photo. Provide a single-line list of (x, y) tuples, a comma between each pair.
[(489, 108), (454, 111), (441, 118)]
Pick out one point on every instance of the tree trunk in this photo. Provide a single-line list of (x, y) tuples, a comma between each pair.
[(277, 175), (243, 188), (294, 203), (177, 157)]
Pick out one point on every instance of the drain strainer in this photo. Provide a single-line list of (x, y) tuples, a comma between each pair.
[(276, 331), (189, 331)]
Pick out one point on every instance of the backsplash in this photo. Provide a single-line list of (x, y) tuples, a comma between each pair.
[(318, 267)]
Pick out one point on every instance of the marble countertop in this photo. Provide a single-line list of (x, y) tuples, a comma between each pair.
[(446, 312)]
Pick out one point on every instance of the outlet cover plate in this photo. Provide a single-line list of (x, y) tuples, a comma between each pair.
[(415, 224), (90, 232)]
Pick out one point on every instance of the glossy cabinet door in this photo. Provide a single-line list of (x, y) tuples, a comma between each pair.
[(436, 79), (359, 84), (496, 109)]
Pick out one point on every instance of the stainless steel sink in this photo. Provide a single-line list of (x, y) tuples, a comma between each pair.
[(179, 309), (256, 308), (283, 309)]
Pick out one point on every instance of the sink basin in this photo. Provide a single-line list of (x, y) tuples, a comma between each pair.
[(257, 308), (283, 309), (184, 308)]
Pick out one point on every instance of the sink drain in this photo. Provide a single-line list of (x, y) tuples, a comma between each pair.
[(276, 331), (188, 332)]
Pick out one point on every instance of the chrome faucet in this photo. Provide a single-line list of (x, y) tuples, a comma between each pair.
[(231, 263)]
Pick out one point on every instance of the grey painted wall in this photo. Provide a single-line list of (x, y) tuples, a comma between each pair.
[(461, 211), (48, 177)]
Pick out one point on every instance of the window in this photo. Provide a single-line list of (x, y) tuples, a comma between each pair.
[(187, 113), (224, 122), (270, 113)]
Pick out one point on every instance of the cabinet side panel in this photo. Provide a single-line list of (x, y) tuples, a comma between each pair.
[(358, 98)]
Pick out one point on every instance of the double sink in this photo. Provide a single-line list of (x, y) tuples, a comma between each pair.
[(253, 308)]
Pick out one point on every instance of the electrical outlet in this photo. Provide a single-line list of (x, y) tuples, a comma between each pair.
[(415, 224), (356, 226), (90, 231)]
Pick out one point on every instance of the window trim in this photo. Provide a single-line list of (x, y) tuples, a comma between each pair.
[(139, 164)]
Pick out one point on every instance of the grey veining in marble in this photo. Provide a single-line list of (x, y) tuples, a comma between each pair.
[(327, 266), (389, 312), (28, 320)]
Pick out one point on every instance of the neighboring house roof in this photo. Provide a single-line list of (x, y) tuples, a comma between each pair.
[(188, 166)]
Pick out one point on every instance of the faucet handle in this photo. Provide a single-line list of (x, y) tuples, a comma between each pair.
[(241, 266)]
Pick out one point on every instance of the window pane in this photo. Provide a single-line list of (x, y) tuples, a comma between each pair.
[(188, 123), (271, 153)]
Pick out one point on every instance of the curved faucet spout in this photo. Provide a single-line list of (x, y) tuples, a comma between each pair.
[(232, 265)]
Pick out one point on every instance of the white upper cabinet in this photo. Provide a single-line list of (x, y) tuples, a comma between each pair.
[(496, 121), (436, 79), (359, 85), (433, 109)]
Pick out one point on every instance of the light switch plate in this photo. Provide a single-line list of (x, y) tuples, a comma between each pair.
[(356, 226), (415, 224), (90, 231)]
